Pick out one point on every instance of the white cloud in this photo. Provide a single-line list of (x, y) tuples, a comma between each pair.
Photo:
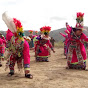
[(37, 13)]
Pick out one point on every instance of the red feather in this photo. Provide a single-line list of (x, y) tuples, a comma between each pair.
[(30, 30), (45, 28), (79, 14), (17, 23)]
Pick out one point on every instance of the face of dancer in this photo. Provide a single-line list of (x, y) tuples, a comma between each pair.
[(78, 32)]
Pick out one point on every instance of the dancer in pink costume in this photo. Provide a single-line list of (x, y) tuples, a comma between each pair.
[(2, 50), (65, 44), (18, 46), (43, 44), (76, 57)]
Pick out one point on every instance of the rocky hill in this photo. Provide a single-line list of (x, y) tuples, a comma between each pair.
[(55, 34)]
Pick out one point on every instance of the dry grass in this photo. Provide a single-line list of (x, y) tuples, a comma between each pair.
[(59, 44)]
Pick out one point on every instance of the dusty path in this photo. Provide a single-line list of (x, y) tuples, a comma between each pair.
[(46, 75)]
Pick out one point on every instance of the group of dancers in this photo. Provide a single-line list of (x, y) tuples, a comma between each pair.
[(17, 45)]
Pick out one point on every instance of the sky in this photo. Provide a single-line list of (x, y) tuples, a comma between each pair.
[(35, 14)]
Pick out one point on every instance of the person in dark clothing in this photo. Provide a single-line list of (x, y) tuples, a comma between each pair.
[(52, 41)]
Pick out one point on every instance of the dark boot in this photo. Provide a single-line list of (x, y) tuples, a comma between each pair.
[(29, 76), (10, 74), (0, 65)]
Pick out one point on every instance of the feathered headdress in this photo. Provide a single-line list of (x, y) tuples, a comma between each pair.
[(30, 31), (41, 30), (45, 32), (19, 27), (9, 22), (13, 24), (36, 32), (79, 20), (45, 29)]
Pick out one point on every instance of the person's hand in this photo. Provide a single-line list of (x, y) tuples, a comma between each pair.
[(2, 59), (53, 51), (35, 54), (66, 23)]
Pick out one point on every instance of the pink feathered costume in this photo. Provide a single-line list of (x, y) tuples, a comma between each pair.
[(19, 52), (43, 44), (76, 52), (2, 49), (65, 44)]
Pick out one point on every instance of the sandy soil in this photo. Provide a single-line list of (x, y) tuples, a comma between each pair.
[(46, 75)]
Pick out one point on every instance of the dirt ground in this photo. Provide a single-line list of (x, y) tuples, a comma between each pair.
[(46, 74)]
